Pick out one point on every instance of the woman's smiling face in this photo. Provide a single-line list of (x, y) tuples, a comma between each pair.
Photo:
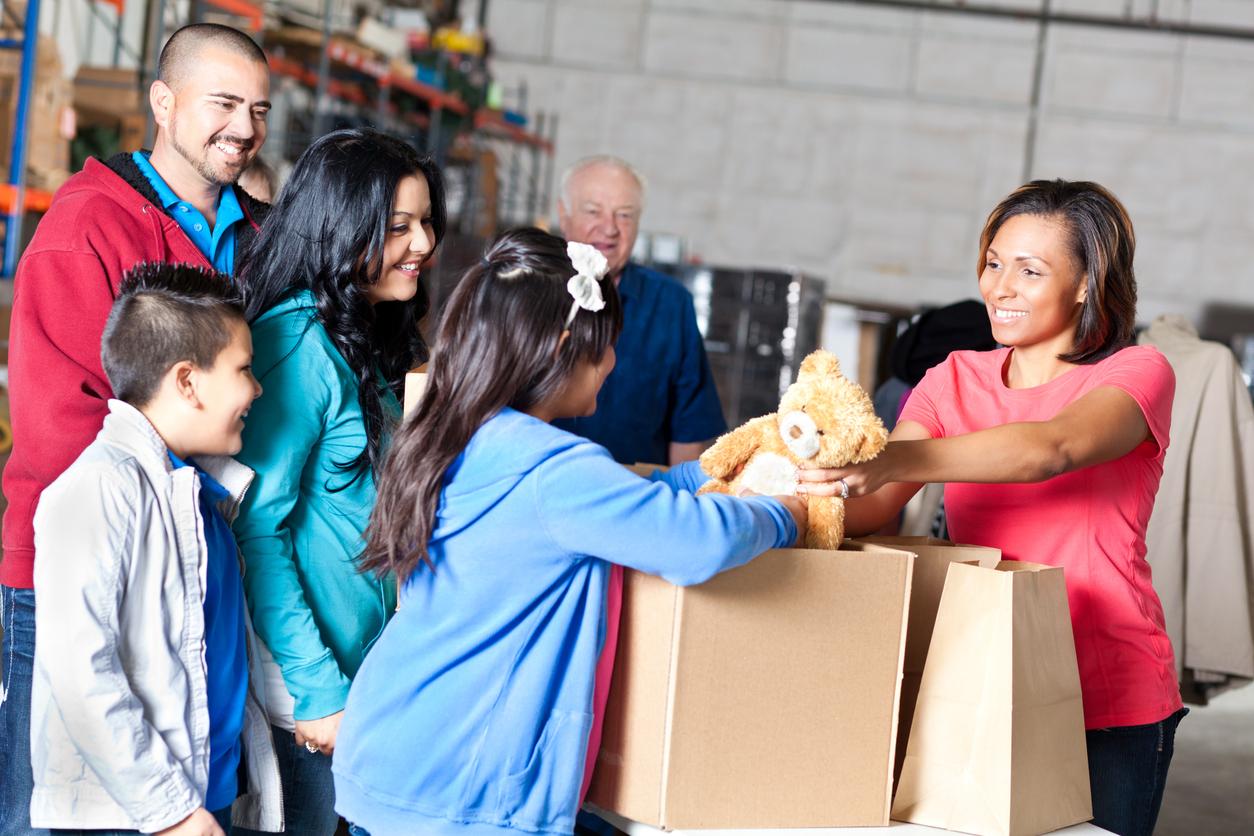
[(1032, 284), (411, 238)]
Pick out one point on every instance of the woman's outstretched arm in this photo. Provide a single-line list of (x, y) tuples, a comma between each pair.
[(1101, 426)]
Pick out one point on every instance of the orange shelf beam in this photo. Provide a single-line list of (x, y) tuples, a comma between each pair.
[(434, 95), (339, 89), (491, 121), (37, 200), (356, 59), (368, 65)]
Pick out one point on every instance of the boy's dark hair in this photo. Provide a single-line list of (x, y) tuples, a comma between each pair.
[(165, 314)]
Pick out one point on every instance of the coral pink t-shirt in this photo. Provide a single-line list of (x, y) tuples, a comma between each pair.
[(605, 672), (1091, 521)]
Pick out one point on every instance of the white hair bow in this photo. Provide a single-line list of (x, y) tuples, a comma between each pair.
[(590, 267)]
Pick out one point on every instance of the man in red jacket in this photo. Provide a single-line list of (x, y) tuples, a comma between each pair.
[(177, 204)]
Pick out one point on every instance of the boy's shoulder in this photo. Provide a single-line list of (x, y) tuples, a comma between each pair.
[(91, 511)]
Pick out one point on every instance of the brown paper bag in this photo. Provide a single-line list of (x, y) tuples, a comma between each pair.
[(997, 744), (932, 559)]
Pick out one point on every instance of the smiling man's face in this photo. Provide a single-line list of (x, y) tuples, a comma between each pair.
[(216, 118), (602, 208)]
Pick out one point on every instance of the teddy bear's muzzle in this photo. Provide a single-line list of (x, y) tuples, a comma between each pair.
[(800, 434)]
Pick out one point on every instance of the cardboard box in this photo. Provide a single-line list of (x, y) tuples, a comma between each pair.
[(932, 561), (765, 697), (415, 385), (101, 94), (382, 38), (50, 122)]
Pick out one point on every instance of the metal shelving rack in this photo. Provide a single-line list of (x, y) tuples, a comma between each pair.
[(15, 199), (339, 74)]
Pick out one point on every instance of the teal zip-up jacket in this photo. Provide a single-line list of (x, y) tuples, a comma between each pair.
[(301, 525)]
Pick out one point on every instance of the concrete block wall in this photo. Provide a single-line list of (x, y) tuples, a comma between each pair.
[(867, 144)]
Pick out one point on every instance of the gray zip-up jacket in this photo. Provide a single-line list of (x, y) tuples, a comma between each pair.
[(119, 709)]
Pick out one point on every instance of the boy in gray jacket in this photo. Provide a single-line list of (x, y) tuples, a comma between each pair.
[(142, 710)]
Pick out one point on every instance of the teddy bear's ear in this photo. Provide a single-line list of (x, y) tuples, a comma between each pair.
[(822, 363)]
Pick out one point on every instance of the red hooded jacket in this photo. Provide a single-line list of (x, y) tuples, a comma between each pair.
[(103, 221)]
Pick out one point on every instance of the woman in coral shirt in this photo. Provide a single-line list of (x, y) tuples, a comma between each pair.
[(1051, 449)]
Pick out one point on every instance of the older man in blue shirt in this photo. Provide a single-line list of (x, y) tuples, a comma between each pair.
[(659, 405)]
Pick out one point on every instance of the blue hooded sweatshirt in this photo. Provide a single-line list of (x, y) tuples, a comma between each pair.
[(472, 713)]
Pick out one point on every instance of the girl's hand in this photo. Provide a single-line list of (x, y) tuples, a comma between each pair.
[(319, 735), (200, 823), (799, 507)]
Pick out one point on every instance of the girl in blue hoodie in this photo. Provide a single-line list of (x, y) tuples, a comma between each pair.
[(473, 714)]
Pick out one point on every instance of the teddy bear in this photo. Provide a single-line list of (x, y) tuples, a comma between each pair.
[(824, 420)]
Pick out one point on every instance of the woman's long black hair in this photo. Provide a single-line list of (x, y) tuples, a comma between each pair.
[(326, 233), (499, 344)]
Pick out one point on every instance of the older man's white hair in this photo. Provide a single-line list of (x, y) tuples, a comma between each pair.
[(599, 160)]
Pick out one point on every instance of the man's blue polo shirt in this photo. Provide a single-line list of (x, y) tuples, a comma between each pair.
[(218, 244), (661, 389), (226, 651)]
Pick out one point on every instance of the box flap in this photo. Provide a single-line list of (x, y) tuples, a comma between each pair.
[(415, 385)]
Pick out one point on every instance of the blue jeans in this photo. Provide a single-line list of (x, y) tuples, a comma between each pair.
[(587, 824), (308, 789), (1128, 773), (17, 662)]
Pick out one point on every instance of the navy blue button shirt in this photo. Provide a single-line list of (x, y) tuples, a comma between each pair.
[(661, 389), (226, 655)]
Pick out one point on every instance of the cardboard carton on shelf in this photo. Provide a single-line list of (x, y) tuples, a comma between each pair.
[(343, 16), (111, 96), (764, 698), (384, 39), (101, 94), (50, 121)]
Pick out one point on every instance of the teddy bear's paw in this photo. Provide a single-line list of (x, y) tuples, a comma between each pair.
[(770, 474)]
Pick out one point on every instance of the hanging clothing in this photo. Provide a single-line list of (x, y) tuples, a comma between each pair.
[(1200, 538)]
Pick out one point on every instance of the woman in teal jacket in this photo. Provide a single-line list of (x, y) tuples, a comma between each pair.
[(334, 306)]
